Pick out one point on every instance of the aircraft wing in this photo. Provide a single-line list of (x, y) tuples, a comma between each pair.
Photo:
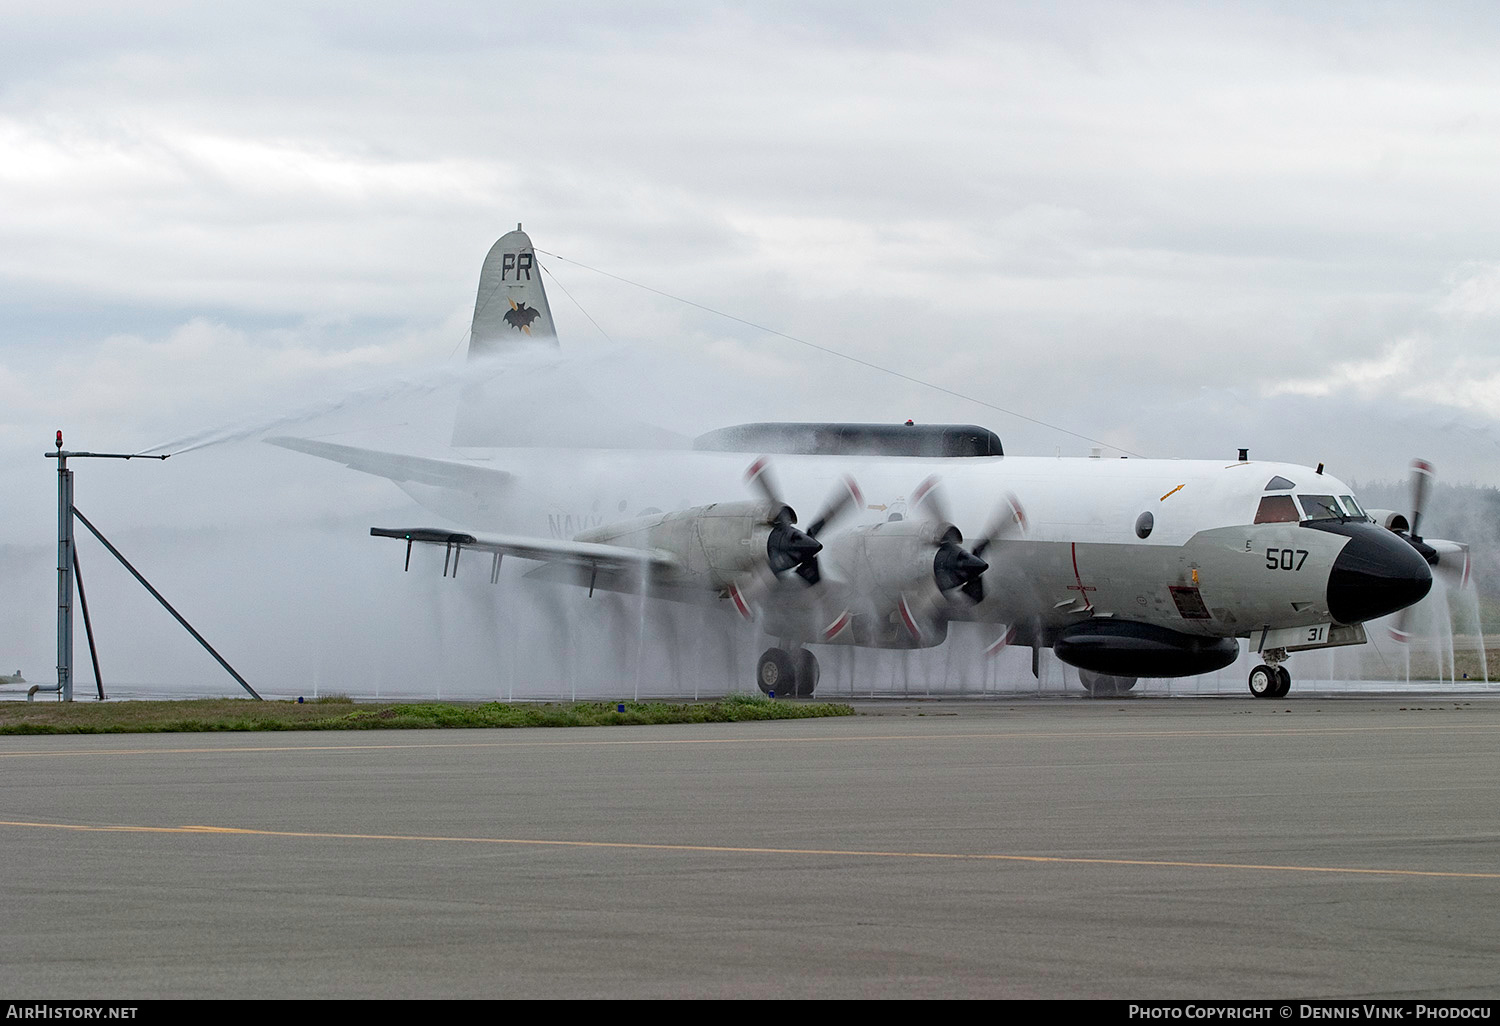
[(422, 470), (595, 558)]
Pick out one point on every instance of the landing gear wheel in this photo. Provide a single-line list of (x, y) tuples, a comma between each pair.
[(1265, 681), (807, 673), (776, 673), (1284, 682), (1102, 684)]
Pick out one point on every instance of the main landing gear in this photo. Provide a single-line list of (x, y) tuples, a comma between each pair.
[(1271, 679), (787, 674)]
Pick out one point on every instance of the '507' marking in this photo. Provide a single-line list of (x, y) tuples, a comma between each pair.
[(1285, 559)]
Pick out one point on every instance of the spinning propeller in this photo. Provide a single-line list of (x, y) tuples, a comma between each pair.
[(955, 569), (1449, 559), (789, 549)]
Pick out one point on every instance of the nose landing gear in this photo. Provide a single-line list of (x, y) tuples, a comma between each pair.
[(1271, 679)]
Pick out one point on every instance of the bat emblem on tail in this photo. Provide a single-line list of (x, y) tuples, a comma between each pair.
[(520, 316)]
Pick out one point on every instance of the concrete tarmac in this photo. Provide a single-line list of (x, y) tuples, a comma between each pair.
[(1316, 847)]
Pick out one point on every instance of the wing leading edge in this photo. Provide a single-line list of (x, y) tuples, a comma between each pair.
[(466, 477), (611, 567)]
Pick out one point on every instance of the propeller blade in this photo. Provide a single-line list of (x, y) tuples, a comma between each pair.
[(747, 594), (1400, 632), (758, 476), (1452, 561), (743, 603), (1421, 485), (838, 625), (1008, 522), (1000, 644), (913, 611), (920, 607), (809, 571), (847, 498), (928, 494)]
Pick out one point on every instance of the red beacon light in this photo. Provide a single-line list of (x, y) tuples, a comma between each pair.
[(59, 440)]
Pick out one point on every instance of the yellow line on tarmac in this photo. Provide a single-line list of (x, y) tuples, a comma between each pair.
[(738, 850), (1013, 735)]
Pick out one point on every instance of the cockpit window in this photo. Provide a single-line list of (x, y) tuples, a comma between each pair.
[(1320, 507), (1353, 508), (1278, 483), (1277, 509)]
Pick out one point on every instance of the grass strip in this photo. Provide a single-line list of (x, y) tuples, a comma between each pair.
[(344, 714)]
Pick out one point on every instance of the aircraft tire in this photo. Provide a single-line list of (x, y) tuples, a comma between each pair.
[(807, 673), (776, 673), (1284, 682), (1265, 682)]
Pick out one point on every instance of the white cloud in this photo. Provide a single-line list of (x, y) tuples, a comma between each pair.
[(1390, 371), (1079, 214), (1474, 292)]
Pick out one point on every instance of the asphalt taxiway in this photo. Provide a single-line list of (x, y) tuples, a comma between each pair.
[(1321, 846)]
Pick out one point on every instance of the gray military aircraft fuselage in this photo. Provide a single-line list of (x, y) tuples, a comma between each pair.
[(1123, 567)]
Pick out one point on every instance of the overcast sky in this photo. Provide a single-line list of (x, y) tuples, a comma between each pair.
[(1179, 227)]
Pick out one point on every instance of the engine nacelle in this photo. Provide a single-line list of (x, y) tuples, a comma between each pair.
[(1123, 648), (890, 559), (715, 545), (1390, 519)]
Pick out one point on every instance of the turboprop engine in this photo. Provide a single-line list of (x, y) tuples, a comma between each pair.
[(720, 543), (906, 570)]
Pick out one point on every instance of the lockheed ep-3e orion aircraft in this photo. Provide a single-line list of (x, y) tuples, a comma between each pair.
[(1124, 568)]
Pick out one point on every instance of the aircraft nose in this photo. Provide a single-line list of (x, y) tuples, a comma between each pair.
[(1375, 574)]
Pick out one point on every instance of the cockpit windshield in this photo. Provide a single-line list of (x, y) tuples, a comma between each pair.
[(1320, 507), (1328, 507), (1284, 509), (1277, 509)]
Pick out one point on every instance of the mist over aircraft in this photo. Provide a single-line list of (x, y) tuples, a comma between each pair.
[(1122, 567)]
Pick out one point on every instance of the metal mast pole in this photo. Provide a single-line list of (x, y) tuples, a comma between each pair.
[(64, 574), (67, 568)]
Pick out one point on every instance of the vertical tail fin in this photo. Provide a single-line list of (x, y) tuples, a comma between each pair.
[(511, 307), (531, 402), (510, 313)]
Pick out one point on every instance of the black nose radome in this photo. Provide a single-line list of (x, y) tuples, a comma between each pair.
[(1376, 574)]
